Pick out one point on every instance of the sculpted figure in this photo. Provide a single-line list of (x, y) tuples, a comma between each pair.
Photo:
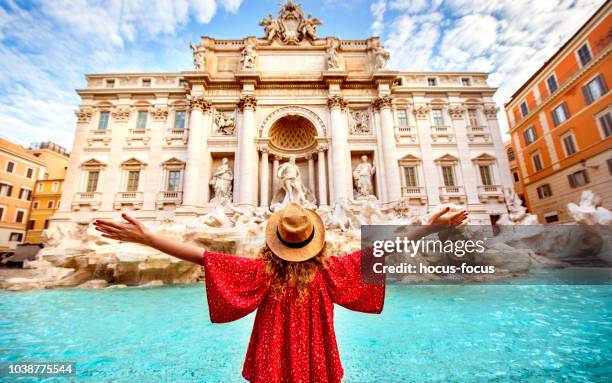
[(248, 56), (271, 27), (381, 56), (222, 183), (199, 56), (333, 58), (309, 27), (362, 177), (225, 124), (291, 187)]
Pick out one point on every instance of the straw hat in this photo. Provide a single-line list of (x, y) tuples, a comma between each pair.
[(295, 234)]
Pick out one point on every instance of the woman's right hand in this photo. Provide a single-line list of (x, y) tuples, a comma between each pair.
[(130, 231)]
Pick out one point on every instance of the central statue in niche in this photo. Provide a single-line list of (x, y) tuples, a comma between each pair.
[(291, 187)]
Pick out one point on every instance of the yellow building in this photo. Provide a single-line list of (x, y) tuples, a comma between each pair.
[(48, 191), (19, 171)]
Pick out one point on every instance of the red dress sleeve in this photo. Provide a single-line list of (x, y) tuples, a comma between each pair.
[(346, 288), (235, 286)]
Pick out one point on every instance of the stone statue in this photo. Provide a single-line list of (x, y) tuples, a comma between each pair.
[(291, 187), (309, 27), (199, 56), (381, 57), (517, 213), (249, 54), (271, 27), (225, 124), (362, 177), (222, 183), (333, 58), (589, 210), (359, 123)]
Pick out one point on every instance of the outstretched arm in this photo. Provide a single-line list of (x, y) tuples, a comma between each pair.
[(438, 221), (134, 231)]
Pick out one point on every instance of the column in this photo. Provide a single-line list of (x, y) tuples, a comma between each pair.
[(429, 166), (340, 156), (394, 189), (248, 155), (275, 165), (196, 147), (470, 177), (322, 178), (379, 160), (311, 173), (265, 176)]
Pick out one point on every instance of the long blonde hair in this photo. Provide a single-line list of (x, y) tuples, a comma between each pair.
[(292, 274)]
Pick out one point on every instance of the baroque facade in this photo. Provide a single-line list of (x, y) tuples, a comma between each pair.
[(177, 144)]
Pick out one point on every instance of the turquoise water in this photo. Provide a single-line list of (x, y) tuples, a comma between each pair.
[(425, 334)]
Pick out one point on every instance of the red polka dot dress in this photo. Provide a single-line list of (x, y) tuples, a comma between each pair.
[(291, 341)]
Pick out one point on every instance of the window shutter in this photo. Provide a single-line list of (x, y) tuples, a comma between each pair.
[(587, 95), (602, 84), (570, 178), (565, 110), (554, 117), (586, 176)]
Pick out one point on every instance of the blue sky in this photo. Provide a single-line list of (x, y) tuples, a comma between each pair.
[(46, 47)]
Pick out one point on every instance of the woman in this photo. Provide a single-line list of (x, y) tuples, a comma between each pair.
[(293, 284)]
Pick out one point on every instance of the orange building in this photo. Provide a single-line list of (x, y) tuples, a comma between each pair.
[(561, 124), (19, 171), (48, 191)]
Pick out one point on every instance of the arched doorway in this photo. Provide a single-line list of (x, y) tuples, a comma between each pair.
[(293, 131)]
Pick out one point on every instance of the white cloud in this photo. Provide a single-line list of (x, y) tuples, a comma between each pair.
[(378, 11), (509, 39), (47, 47)]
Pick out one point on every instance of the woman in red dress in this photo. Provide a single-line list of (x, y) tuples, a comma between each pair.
[(293, 284)]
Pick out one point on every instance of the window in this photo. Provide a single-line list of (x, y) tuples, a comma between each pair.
[(39, 187), (465, 81), (524, 109), (103, 121), (6, 190), (402, 117), (146, 82), (179, 120), (551, 217), (510, 153), (584, 54), (608, 161), (29, 173), (485, 175), (530, 135), (544, 191), (10, 166), (578, 178), (560, 114), (537, 162), (174, 179), (594, 89), (2, 210), (448, 175), (25, 194), (605, 122), (50, 204), (46, 224), (35, 205), (472, 117), (551, 81), (432, 81), (16, 237), (92, 181), (31, 224), (182, 83), (141, 121), (438, 119), (54, 186), (133, 178), (569, 145), (110, 83), (516, 176), (411, 176), (19, 216)]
